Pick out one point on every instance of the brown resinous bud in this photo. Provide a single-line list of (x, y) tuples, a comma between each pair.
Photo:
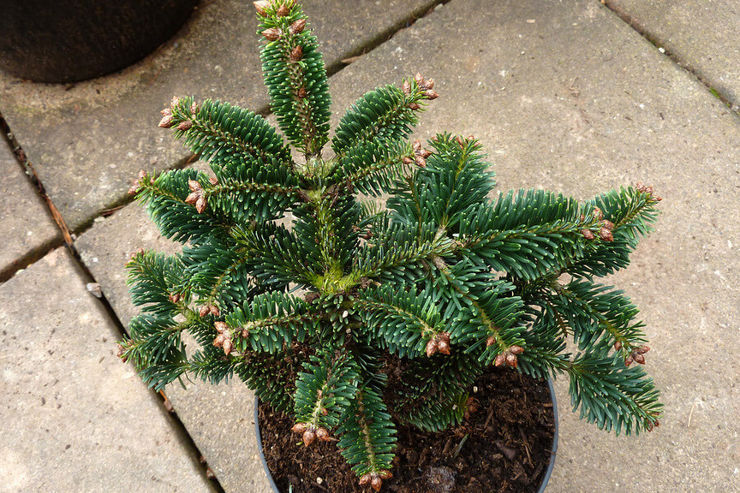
[(323, 435), (174, 298), (138, 252), (299, 428), (443, 343), (261, 6), (166, 121), (406, 87), (309, 436), (272, 34), (431, 347), (500, 359), (120, 350), (140, 179), (298, 26), (296, 54), (302, 92), (200, 204), (283, 10), (414, 106), (430, 94), (186, 125), (605, 234), (196, 192), (588, 234), (608, 224), (598, 214), (376, 483), (228, 346), (490, 341), (209, 309)]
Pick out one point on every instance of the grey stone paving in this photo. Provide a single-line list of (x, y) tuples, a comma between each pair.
[(218, 418), (703, 35), (564, 96), (26, 226), (74, 417), (89, 140)]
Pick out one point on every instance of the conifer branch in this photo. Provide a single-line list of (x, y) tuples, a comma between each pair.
[(220, 134), (295, 76), (386, 114)]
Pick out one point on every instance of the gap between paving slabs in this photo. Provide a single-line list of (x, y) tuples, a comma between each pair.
[(655, 40), (22, 253), (93, 288)]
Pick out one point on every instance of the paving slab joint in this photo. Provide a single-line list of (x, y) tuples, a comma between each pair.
[(67, 239), (178, 426), (634, 23), (30, 172), (381, 37)]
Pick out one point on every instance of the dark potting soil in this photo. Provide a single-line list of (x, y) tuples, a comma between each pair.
[(507, 449)]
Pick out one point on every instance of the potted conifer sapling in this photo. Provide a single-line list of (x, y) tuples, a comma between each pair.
[(318, 313)]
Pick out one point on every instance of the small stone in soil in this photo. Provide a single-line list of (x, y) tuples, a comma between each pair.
[(439, 479)]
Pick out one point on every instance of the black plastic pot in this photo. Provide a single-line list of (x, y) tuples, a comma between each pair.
[(72, 40), (545, 479)]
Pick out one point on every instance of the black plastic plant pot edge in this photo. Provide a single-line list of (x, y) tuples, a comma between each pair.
[(545, 479)]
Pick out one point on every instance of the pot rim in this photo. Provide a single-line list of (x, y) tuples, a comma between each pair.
[(545, 478)]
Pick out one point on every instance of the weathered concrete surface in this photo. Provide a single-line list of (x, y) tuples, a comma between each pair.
[(218, 418), (25, 223), (74, 417), (89, 140), (704, 36), (565, 96)]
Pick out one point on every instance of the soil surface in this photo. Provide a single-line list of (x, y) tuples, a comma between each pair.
[(507, 448)]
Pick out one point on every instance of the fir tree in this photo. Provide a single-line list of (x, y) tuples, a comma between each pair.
[(444, 282)]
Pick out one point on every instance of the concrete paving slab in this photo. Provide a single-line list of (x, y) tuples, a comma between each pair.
[(565, 96), (26, 225), (74, 417), (87, 141), (218, 418), (704, 36)]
